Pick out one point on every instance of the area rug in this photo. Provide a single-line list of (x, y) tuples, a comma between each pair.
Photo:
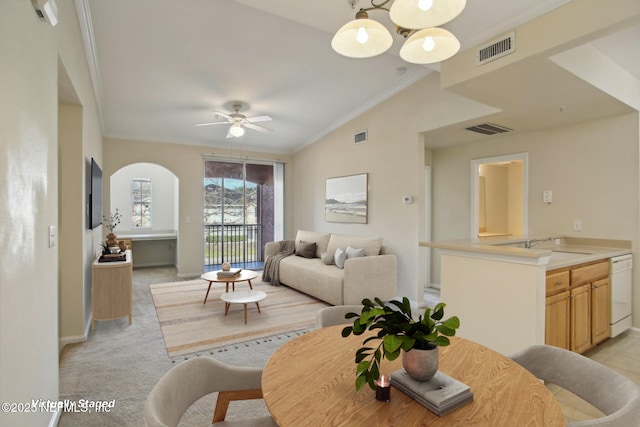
[(189, 326)]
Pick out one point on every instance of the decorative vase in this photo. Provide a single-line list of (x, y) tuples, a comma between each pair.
[(122, 245), (111, 240), (226, 266), (421, 365)]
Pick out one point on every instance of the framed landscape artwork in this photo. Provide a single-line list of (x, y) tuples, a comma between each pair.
[(346, 199)]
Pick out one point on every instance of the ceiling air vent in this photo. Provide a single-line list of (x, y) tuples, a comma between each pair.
[(488, 129), (496, 49), (360, 137)]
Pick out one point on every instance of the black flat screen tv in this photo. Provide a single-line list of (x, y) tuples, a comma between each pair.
[(95, 197)]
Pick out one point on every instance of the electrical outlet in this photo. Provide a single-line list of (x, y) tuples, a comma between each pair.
[(547, 196), (577, 225)]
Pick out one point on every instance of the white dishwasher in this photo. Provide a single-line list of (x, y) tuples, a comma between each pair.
[(621, 280)]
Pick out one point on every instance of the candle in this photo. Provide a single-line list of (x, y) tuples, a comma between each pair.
[(383, 389)]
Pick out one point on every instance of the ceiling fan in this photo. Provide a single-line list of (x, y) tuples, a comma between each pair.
[(239, 121)]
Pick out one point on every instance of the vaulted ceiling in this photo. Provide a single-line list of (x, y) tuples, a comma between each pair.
[(160, 67)]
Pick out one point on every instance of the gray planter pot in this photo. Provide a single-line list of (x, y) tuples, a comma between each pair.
[(421, 365)]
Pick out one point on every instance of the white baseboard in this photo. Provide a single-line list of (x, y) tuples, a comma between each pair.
[(74, 339), (62, 342), (55, 418), (634, 331), (87, 326)]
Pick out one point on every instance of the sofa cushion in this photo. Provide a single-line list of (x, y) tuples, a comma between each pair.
[(327, 258), (340, 257), (312, 277), (371, 245), (354, 253), (306, 249), (320, 239)]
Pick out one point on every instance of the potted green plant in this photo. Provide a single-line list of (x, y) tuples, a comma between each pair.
[(397, 332)]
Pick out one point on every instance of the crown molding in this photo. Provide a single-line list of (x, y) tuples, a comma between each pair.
[(88, 39)]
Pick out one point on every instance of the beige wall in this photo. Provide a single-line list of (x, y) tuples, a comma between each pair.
[(592, 169), (581, 164), (186, 163), (496, 190), (74, 79), (394, 158), (37, 59)]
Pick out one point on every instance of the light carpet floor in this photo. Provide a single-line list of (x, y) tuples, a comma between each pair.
[(124, 362), (190, 326)]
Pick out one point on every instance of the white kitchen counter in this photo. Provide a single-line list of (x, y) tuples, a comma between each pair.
[(493, 283), (570, 251)]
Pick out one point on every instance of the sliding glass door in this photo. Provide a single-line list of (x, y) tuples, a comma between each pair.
[(240, 212)]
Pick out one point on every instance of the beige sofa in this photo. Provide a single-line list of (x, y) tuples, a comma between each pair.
[(372, 275)]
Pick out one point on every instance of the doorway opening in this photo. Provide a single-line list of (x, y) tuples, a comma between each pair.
[(499, 196)]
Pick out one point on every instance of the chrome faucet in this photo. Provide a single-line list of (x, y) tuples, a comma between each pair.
[(532, 242)]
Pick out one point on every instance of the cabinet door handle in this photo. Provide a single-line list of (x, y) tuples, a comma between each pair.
[(558, 282)]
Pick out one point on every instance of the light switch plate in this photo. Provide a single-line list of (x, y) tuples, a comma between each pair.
[(547, 196), (53, 235)]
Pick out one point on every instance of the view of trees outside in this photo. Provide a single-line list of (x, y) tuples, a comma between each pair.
[(141, 202), (227, 196)]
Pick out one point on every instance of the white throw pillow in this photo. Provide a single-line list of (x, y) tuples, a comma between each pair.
[(340, 257), (354, 252)]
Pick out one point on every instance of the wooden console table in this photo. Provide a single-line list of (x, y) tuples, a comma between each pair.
[(111, 289)]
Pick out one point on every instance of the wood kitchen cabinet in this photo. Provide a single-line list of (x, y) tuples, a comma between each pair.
[(600, 310), (581, 318), (557, 320), (557, 311), (578, 306)]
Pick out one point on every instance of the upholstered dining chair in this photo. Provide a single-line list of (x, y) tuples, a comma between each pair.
[(334, 315), (192, 379), (612, 393)]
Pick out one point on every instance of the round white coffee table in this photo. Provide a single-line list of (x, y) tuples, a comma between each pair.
[(244, 276), (245, 296)]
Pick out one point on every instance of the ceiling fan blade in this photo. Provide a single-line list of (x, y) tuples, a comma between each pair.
[(214, 123), (225, 115), (258, 119), (258, 128)]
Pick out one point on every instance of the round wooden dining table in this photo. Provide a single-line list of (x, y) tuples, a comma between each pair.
[(310, 381)]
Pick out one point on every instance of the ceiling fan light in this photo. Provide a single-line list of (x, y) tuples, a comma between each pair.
[(443, 46), (236, 130), (416, 14), (362, 38)]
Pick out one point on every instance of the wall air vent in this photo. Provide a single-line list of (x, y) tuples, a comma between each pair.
[(496, 49), (360, 137), (488, 129)]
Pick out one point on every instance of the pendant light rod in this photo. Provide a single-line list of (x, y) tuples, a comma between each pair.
[(374, 6)]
